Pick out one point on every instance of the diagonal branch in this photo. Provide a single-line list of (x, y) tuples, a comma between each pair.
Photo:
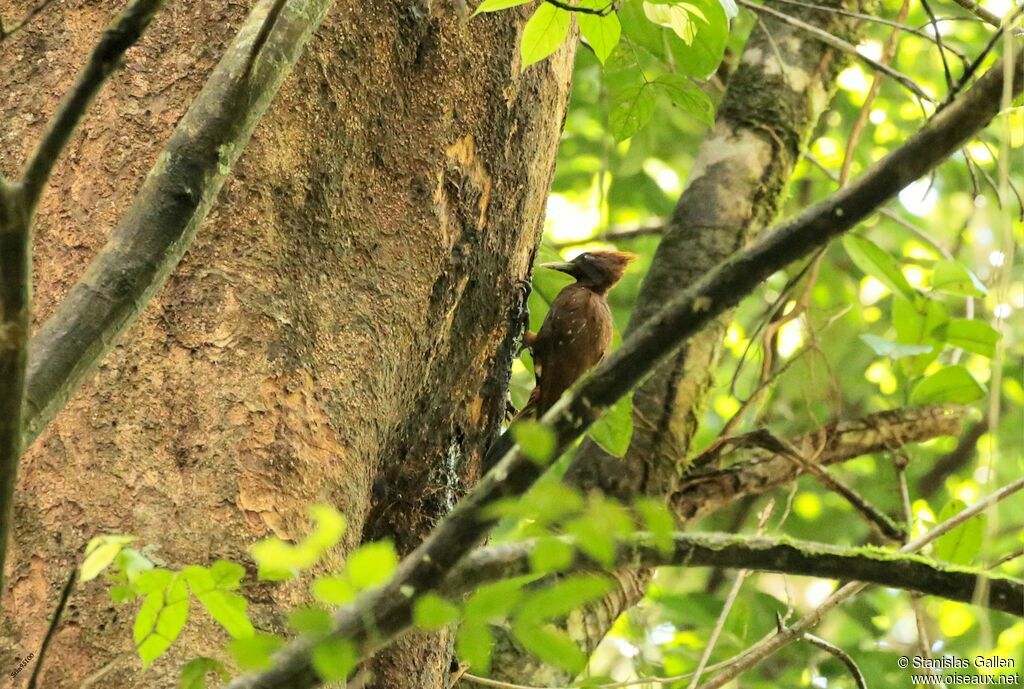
[(121, 35), (709, 489), (376, 617), (163, 219), (782, 555)]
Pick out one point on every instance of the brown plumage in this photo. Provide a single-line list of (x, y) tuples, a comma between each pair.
[(577, 332)]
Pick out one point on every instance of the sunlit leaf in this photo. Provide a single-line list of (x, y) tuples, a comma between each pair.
[(372, 564), (614, 429), (193, 675), (970, 335), (496, 5), (953, 384), (335, 659), (536, 440), (602, 32), (893, 350), (254, 652), (952, 278), (876, 262), (100, 552), (431, 612), (544, 33), (962, 543), (630, 111)]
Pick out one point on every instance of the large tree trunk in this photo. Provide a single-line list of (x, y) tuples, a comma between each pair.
[(340, 332)]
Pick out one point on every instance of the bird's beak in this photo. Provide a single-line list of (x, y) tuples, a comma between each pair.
[(561, 266)]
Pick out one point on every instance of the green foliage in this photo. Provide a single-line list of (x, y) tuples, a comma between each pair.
[(536, 440), (951, 384), (960, 545), (278, 560), (544, 32), (871, 259), (334, 659), (432, 612), (614, 429), (193, 675)]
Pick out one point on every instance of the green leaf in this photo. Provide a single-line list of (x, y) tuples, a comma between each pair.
[(543, 33), (254, 652), (630, 111), (550, 555), (335, 659), (100, 552), (193, 675), (132, 563), (614, 430), (874, 261), (915, 322), (153, 580), (160, 620), (597, 530), (310, 620), (601, 32), (227, 575), (550, 645), (970, 335), (229, 609), (334, 590), (278, 560), (372, 564), (658, 521), (894, 350), (952, 278), (431, 612), (496, 5), (952, 384), (473, 643), (492, 601), (685, 94), (536, 440), (962, 543), (564, 596), (701, 57)]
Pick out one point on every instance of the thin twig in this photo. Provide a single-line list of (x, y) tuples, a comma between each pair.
[(841, 45), (897, 24), (7, 33), (65, 594), (844, 657), (117, 38), (603, 12), (974, 7)]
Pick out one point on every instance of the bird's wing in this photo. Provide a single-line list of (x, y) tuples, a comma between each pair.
[(574, 337)]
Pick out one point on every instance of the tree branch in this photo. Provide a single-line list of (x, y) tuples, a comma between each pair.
[(762, 650), (15, 324), (782, 555), (975, 8), (377, 616), (839, 44), (708, 489), (121, 35), (159, 226)]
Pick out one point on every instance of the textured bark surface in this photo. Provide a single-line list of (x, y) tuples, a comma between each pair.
[(736, 186), (340, 331)]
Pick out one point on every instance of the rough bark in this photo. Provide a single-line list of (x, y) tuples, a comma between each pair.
[(361, 269), (735, 187)]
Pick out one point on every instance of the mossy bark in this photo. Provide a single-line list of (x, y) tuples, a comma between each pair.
[(340, 331)]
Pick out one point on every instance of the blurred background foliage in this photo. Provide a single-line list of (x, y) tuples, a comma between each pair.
[(841, 354)]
